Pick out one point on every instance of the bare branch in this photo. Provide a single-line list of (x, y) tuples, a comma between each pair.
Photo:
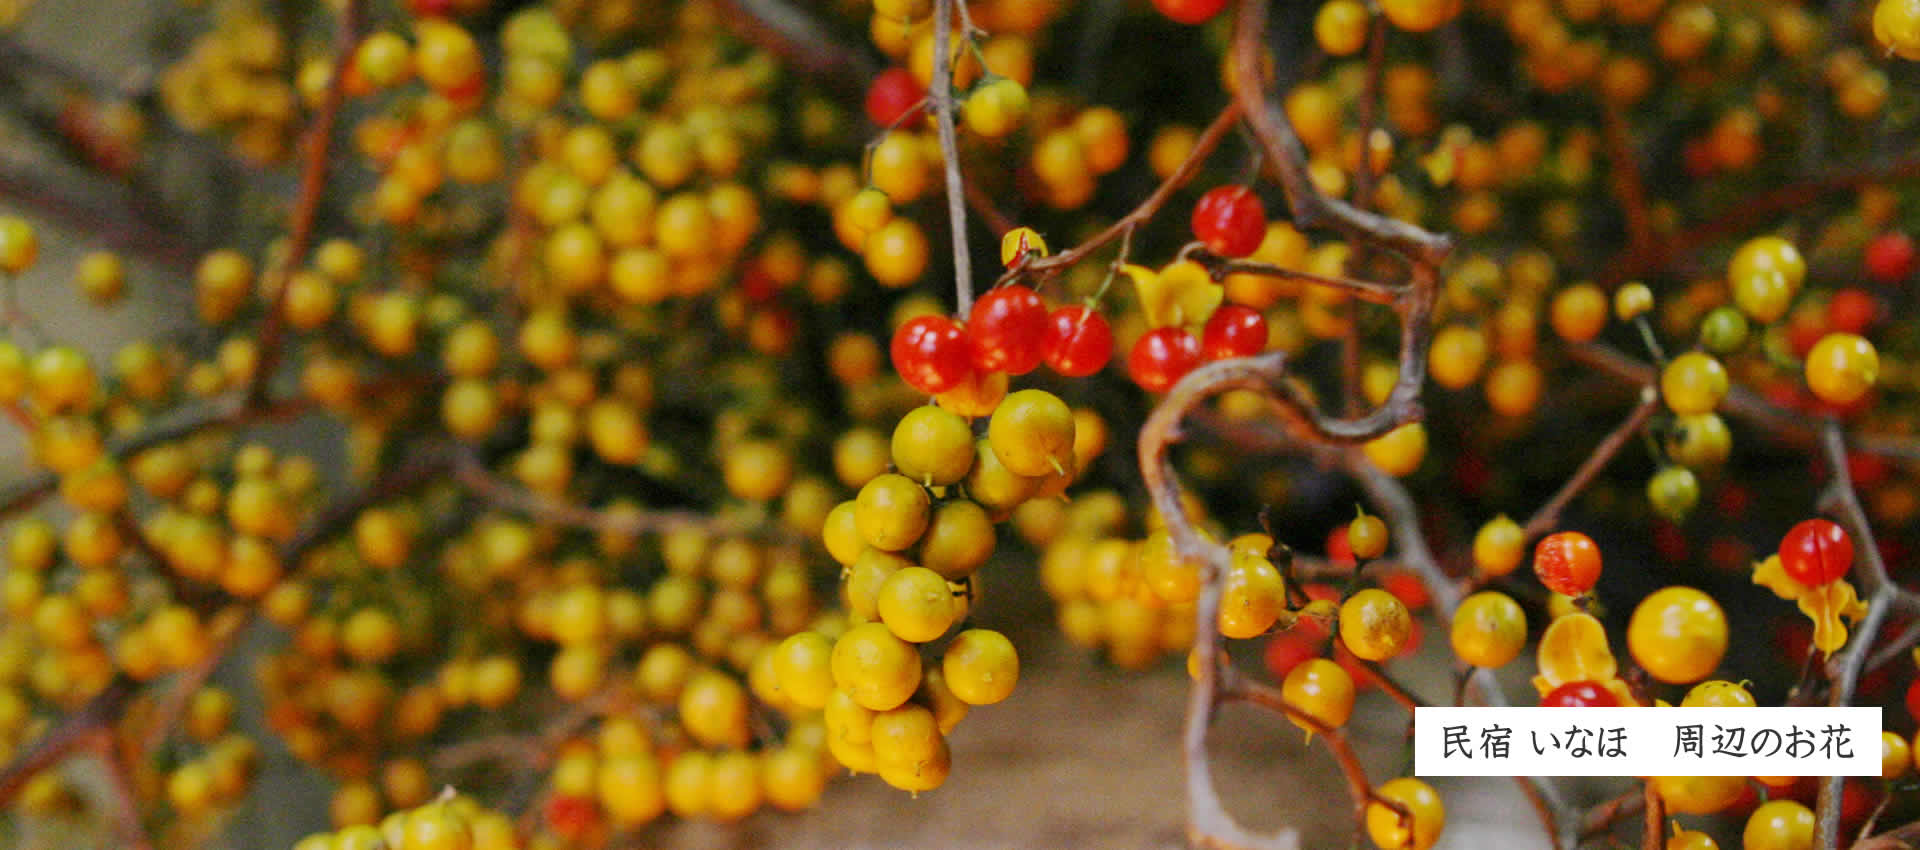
[(1223, 124), (313, 184), (941, 97), (1548, 516)]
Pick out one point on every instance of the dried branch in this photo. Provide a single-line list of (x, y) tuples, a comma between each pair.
[(1627, 182), (228, 412), (1285, 154), (1656, 812), (1882, 595), (1895, 648), (124, 792), (470, 472), (1364, 290), (1788, 426), (533, 751), (1237, 687), (313, 184), (74, 732), (800, 39), (1548, 516), (1742, 215), (1903, 838), (1209, 824), (109, 210), (1600, 819), (941, 96)]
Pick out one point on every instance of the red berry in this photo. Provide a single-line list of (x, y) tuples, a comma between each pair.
[(1567, 562), (1231, 220), (1891, 257), (431, 8), (1356, 668), (1079, 342), (1287, 650), (1580, 695), (1852, 310), (1162, 357), (1234, 330), (1313, 627), (571, 816), (1913, 700), (931, 354), (1339, 551), (1408, 588), (893, 95), (1816, 552), (1007, 330), (1190, 11)]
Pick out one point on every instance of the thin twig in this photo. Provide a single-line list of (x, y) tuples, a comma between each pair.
[(1895, 648), (72, 733), (1548, 516), (1363, 290), (1600, 819), (1209, 139), (1235, 686), (1627, 183), (471, 473), (306, 208), (1651, 837), (227, 412), (1785, 425), (1882, 595), (124, 794), (1741, 215), (941, 96)]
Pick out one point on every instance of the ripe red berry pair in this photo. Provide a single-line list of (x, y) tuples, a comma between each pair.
[(1009, 330), (1165, 355)]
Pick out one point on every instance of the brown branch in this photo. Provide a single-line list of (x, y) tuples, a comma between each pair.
[(1363, 178), (1237, 687), (1223, 124), (536, 750), (124, 792), (470, 472), (106, 209), (1627, 182), (1600, 819), (1656, 812), (1364, 290), (1843, 670), (941, 97), (1209, 824), (1392, 688), (1903, 838), (313, 184), (230, 411), (1548, 516), (73, 732), (1788, 426), (1896, 647), (1285, 155), (1741, 215), (983, 205), (800, 40)]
